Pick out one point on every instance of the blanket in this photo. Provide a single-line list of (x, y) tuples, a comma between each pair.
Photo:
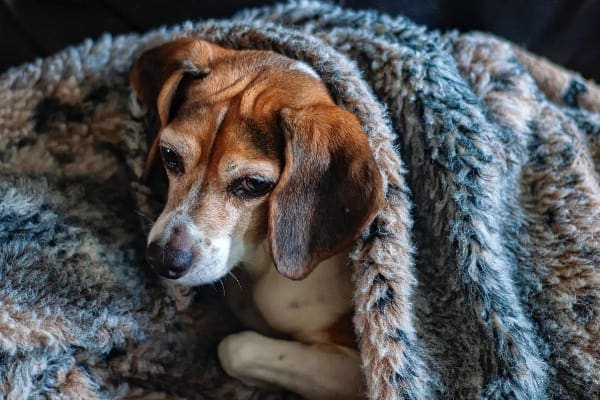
[(479, 278)]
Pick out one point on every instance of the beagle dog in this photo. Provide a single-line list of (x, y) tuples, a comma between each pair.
[(266, 173)]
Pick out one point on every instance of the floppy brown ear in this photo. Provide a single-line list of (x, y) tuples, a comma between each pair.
[(329, 191), (158, 73)]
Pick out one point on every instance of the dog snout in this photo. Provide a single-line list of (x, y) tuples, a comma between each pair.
[(168, 261), (173, 259)]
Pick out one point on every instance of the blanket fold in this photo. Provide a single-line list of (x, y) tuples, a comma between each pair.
[(479, 279)]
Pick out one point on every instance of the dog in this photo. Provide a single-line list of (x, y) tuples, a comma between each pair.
[(266, 173)]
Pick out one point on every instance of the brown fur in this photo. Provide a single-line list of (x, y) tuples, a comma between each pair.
[(329, 188), (231, 115)]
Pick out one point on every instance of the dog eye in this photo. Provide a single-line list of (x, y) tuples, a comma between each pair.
[(171, 159), (251, 187)]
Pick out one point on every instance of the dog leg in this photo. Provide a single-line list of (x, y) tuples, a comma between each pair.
[(317, 372)]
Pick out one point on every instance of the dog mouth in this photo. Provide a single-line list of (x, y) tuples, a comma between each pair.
[(196, 264)]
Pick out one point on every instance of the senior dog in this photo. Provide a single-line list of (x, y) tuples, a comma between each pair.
[(266, 173)]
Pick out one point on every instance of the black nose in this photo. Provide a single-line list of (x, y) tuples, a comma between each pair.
[(168, 261)]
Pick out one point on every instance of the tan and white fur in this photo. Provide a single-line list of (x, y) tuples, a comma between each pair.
[(266, 173)]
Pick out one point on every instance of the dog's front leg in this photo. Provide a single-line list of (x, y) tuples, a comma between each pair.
[(317, 372)]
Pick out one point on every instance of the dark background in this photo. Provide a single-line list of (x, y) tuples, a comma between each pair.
[(566, 31)]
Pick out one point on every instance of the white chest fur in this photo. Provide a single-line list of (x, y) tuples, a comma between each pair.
[(303, 309)]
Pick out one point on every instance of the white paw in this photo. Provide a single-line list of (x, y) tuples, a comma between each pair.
[(238, 354)]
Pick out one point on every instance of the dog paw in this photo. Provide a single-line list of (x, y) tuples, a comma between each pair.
[(239, 355)]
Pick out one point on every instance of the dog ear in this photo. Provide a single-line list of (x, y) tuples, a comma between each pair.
[(329, 191), (156, 75), (159, 72)]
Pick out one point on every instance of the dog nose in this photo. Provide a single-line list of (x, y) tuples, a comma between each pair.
[(169, 261)]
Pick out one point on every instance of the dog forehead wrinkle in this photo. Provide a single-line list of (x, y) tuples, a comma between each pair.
[(218, 124), (225, 87), (220, 118)]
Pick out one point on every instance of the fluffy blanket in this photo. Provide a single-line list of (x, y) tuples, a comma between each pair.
[(479, 279)]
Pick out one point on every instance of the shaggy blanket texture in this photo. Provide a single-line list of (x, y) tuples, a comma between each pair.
[(479, 279)]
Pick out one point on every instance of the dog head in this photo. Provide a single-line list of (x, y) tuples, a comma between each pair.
[(255, 149)]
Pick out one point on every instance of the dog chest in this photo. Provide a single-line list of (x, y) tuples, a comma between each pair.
[(309, 307)]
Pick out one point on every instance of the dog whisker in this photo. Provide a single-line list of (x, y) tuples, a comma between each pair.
[(236, 279), (222, 286), (144, 216)]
